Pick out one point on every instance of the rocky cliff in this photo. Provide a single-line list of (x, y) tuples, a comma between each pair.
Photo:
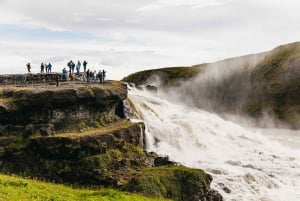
[(77, 134), (49, 110)]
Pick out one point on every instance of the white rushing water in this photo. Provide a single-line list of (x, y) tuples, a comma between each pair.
[(250, 165)]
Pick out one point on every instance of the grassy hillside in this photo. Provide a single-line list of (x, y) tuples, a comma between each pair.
[(167, 76), (276, 85), (14, 188)]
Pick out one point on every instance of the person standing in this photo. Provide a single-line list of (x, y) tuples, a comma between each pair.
[(49, 67), (100, 77), (78, 67), (42, 68), (64, 74), (95, 76), (88, 75), (28, 67), (46, 67), (103, 75), (84, 65), (70, 65)]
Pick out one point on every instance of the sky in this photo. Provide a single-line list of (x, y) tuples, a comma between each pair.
[(123, 37)]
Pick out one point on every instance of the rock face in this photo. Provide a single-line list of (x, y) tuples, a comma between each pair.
[(79, 158), (79, 136), (50, 110)]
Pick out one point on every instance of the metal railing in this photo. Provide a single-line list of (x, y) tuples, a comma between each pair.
[(43, 80)]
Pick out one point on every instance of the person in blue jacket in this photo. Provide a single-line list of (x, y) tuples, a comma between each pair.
[(49, 67), (64, 73)]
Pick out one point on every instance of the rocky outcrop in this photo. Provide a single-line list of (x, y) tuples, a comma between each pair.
[(175, 182), (78, 157), (49, 110)]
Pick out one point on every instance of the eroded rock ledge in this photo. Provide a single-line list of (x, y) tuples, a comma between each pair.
[(49, 110)]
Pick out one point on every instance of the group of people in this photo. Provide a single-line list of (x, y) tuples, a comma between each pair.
[(94, 76), (44, 67), (88, 75), (67, 73), (47, 67), (72, 66)]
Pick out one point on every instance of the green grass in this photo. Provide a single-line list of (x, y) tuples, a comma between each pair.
[(276, 63), (103, 130), (168, 76), (276, 85), (19, 189)]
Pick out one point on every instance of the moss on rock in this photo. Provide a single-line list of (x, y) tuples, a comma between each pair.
[(175, 182)]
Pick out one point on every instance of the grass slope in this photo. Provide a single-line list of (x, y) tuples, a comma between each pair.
[(276, 84), (14, 188), (167, 76)]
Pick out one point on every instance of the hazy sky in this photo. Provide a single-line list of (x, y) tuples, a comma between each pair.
[(124, 36)]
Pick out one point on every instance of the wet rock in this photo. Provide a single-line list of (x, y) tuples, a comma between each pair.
[(151, 88), (213, 195), (224, 188), (215, 171), (234, 163), (161, 161), (132, 85), (249, 166)]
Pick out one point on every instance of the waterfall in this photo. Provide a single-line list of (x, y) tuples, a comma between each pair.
[(245, 164)]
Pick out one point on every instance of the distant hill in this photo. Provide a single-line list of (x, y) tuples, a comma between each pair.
[(264, 84), (168, 76)]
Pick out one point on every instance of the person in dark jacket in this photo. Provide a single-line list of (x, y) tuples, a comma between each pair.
[(84, 65), (103, 75), (28, 67), (42, 67)]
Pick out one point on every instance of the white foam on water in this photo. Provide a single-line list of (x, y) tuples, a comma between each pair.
[(250, 165)]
